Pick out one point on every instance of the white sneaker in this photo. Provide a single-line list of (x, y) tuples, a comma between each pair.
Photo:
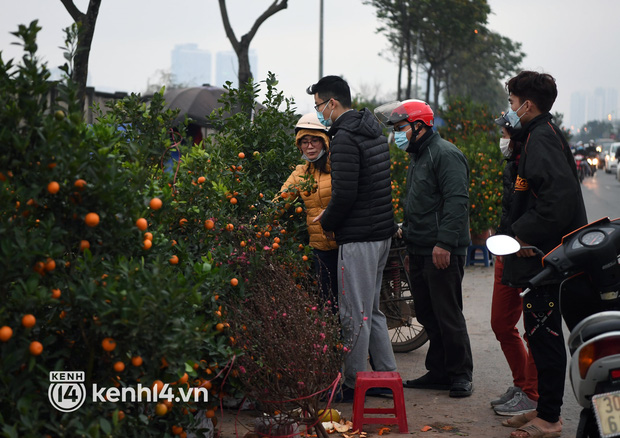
[(520, 404), (506, 397)]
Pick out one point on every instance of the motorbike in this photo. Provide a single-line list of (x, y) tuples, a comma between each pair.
[(588, 255), (583, 167)]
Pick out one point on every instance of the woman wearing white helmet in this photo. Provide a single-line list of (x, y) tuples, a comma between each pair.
[(312, 141)]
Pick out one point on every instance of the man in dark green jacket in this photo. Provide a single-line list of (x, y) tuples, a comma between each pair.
[(436, 230)]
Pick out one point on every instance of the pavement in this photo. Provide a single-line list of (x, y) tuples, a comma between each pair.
[(447, 417)]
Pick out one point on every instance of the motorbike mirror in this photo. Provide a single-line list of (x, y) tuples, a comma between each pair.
[(500, 245)]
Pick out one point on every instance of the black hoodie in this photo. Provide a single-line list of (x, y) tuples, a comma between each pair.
[(360, 209)]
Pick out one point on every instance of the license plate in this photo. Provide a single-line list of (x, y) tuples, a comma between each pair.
[(607, 410)]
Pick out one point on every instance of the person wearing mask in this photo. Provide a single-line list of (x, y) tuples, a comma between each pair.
[(546, 205), (360, 217), (506, 303), (312, 141), (436, 231)]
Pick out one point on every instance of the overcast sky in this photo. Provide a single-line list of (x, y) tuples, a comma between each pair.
[(574, 40)]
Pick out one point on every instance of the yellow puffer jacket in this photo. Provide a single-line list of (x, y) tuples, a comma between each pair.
[(315, 203)]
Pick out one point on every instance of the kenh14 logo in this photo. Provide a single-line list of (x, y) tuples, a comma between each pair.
[(67, 392)]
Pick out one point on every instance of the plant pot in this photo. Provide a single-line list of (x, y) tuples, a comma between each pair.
[(481, 238)]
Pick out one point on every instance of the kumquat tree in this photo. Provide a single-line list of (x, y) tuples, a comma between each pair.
[(123, 272)]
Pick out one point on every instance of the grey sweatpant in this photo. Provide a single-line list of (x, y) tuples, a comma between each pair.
[(360, 270)]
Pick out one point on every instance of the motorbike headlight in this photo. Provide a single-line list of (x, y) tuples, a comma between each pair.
[(590, 161), (592, 352), (594, 161)]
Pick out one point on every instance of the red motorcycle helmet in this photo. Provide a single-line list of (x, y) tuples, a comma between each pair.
[(413, 110)]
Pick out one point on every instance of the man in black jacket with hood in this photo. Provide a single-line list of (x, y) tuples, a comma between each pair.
[(361, 217), (547, 204)]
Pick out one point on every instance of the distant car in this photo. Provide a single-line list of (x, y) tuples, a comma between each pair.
[(602, 146), (611, 157)]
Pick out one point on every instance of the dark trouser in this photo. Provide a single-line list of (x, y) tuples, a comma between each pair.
[(543, 324), (438, 300), (326, 268)]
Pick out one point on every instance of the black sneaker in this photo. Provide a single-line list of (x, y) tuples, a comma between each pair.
[(461, 388), (428, 381)]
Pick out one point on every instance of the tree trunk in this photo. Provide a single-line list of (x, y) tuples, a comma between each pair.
[(86, 30), (242, 47), (429, 77)]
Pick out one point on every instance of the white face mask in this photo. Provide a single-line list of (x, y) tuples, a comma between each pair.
[(504, 146)]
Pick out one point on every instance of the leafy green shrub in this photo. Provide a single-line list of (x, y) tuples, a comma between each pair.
[(129, 305)]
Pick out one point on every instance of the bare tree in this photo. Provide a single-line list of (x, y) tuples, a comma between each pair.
[(86, 29), (242, 47)]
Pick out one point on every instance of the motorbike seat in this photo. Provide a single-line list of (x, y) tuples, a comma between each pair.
[(599, 328)]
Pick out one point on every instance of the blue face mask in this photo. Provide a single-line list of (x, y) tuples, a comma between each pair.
[(325, 122), (401, 140), (513, 118)]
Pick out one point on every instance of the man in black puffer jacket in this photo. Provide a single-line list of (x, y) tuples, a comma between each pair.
[(361, 218)]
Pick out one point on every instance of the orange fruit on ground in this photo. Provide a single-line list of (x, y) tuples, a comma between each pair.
[(210, 413), (6, 333), (142, 224), (84, 244), (147, 244), (56, 293), (108, 344), (119, 367), (209, 224), (234, 281), (36, 348), (53, 187), (29, 320), (174, 260), (148, 236), (80, 184), (241, 155), (136, 361), (92, 219), (50, 264), (156, 204), (161, 409)]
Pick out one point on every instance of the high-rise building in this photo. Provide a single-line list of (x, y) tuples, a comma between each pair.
[(190, 66), (601, 105), (227, 67)]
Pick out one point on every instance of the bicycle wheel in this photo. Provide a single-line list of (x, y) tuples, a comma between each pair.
[(406, 333)]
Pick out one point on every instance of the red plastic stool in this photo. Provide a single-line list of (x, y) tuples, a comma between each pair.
[(384, 379)]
